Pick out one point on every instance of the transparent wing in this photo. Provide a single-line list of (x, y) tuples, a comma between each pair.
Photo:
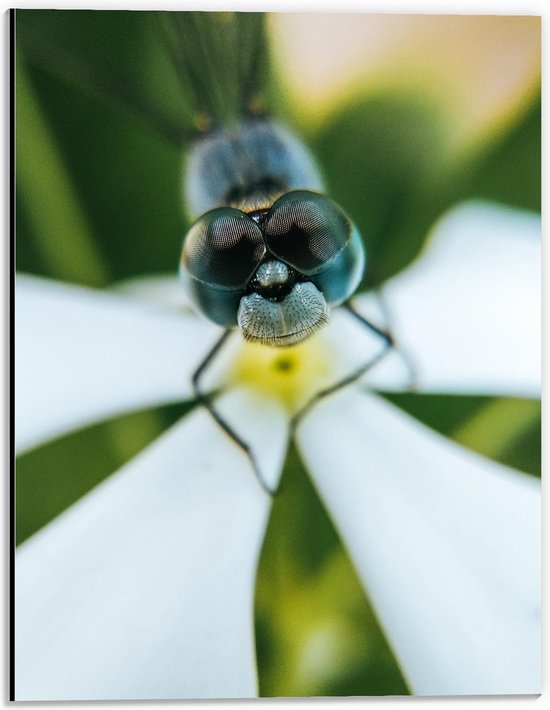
[(212, 64), (220, 58)]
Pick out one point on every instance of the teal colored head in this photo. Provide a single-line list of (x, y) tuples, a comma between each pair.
[(273, 271)]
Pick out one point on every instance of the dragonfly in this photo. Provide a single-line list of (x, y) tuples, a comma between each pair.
[(268, 252)]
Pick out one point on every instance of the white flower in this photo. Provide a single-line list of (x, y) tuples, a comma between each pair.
[(144, 588)]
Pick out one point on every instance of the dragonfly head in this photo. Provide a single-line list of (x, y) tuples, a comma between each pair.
[(273, 272)]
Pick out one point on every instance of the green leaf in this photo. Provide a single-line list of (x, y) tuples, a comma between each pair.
[(116, 57), (46, 190), (509, 170)]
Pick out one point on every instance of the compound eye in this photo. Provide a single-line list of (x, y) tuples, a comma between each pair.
[(223, 248), (306, 230)]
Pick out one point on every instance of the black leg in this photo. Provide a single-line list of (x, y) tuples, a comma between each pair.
[(408, 362), (388, 344), (207, 401)]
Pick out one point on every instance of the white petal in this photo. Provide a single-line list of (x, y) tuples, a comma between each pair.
[(144, 589), (446, 543), (84, 355), (468, 310), (163, 289)]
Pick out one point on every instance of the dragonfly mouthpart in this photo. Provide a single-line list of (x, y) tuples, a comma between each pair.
[(283, 321)]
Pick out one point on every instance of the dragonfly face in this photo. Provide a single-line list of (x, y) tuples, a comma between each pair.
[(274, 271)]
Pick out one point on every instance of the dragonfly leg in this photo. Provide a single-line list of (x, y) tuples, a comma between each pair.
[(403, 354), (207, 400), (388, 344)]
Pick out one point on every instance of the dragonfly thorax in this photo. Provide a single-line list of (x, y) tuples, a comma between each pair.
[(247, 166)]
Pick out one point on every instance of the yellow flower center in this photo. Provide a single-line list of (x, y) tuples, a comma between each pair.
[(292, 375)]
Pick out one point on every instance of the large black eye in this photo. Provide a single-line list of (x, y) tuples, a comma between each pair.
[(223, 248), (305, 230)]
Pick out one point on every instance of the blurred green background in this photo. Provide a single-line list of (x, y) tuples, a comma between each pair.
[(102, 121)]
